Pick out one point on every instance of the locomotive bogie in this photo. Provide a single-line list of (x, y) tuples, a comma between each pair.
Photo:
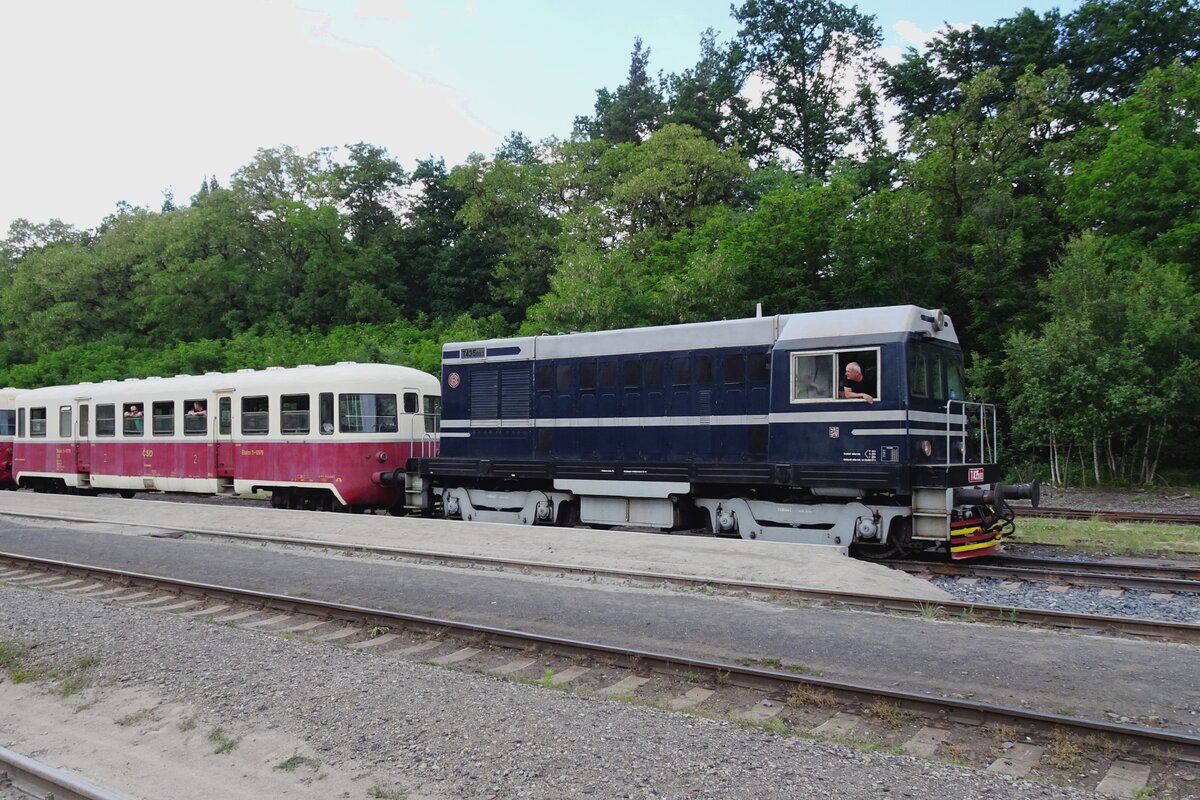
[(316, 437)]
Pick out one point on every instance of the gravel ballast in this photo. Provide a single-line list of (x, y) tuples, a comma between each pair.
[(441, 733)]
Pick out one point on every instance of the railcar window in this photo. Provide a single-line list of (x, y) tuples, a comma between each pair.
[(633, 374), (293, 414), (64, 421), (326, 410), (587, 375), (163, 421), (410, 403), (195, 417), (812, 376), (225, 416), (367, 413), (37, 422), (433, 411), (106, 420), (734, 369), (256, 415), (21, 423), (132, 416), (8, 422), (758, 367)]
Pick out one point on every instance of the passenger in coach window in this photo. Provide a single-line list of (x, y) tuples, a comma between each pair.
[(197, 409), (134, 411), (853, 385)]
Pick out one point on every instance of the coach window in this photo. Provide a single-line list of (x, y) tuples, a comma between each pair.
[(812, 376), (326, 411), (410, 403), (293, 414), (37, 422), (195, 417), (132, 415), (20, 423), (8, 422), (225, 416), (64, 421), (163, 420), (106, 420), (256, 415), (367, 413)]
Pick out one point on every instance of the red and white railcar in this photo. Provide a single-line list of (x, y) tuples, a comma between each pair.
[(315, 437), (8, 431)]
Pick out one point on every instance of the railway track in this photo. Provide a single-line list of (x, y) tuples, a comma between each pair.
[(1156, 577), (776, 696), (37, 780), (1107, 516)]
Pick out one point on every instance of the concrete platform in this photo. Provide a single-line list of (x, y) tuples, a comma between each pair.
[(805, 566)]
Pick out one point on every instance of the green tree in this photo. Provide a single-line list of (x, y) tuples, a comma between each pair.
[(801, 51), (633, 111)]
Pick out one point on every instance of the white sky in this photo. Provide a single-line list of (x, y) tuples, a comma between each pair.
[(111, 100)]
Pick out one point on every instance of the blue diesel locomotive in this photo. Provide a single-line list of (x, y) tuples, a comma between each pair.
[(842, 428)]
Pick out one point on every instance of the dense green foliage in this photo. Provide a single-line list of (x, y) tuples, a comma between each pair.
[(1045, 191)]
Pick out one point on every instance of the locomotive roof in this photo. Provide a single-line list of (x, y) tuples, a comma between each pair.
[(343, 376), (812, 329)]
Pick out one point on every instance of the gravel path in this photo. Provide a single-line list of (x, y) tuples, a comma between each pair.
[(429, 732)]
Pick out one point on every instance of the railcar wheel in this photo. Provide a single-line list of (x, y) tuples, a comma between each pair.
[(127, 494)]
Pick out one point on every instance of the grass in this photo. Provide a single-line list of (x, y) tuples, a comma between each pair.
[(295, 762), (1117, 538), (812, 696), (222, 740)]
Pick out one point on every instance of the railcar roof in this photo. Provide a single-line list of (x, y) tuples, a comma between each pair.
[(884, 323), (346, 376)]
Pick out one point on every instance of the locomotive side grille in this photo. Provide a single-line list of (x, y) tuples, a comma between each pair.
[(514, 393), (485, 394)]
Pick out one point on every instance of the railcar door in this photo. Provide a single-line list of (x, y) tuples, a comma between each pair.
[(83, 444), (224, 451)]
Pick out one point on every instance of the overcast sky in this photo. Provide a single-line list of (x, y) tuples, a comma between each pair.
[(110, 100)]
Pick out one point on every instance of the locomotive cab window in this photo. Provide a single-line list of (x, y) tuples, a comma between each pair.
[(839, 375), (293, 414), (106, 420), (256, 415), (163, 420)]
